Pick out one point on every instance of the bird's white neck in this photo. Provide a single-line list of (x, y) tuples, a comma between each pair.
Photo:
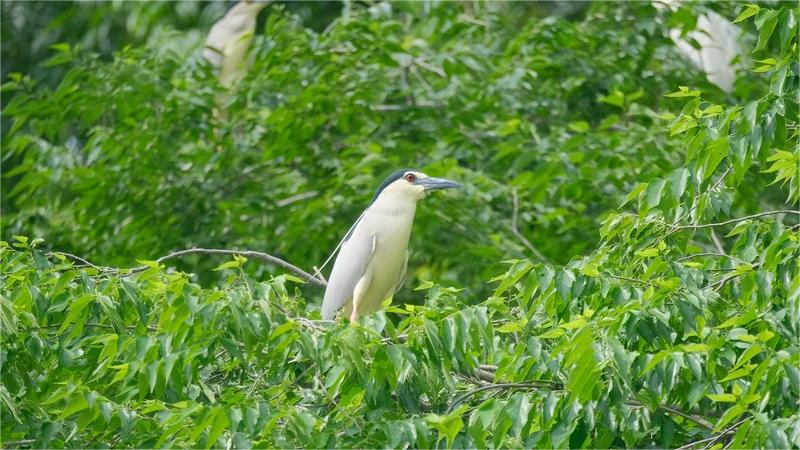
[(395, 202)]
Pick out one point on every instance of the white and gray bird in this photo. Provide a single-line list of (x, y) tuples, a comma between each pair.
[(230, 38), (719, 53), (371, 264)]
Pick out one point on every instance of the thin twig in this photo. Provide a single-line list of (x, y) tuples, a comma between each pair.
[(210, 251), (734, 220), (730, 429), (672, 410), (319, 274), (246, 253), (428, 66), (515, 230), (554, 386), (472, 20), (697, 196), (82, 261), (9, 444), (428, 89), (711, 440), (485, 375), (418, 105), (90, 325), (295, 198), (536, 384), (720, 283), (697, 255), (717, 242), (401, 338)]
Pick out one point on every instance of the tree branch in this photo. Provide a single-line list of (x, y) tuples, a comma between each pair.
[(672, 410), (535, 384), (734, 220), (515, 231), (247, 254), (420, 105), (83, 261), (295, 198), (554, 386), (711, 440), (10, 444), (209, 251), (697, 255)]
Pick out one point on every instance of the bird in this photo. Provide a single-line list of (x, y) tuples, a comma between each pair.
[(230, 38), (719, 54), (371, 264), (718, 50)]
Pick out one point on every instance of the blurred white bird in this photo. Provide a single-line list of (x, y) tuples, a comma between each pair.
[(718, 39), (230, 38)]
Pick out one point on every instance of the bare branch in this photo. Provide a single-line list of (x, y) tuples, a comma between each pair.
[(11, 444), (82, 261), (247, 254), (554, 386), (535, 384), (711, 189), (730, 277), (419, 105), (674, 411), (307, 277), (717, 242), (711, 440), (697, 255), (428, 66), (734, 220), (295, 198), (515, 230)]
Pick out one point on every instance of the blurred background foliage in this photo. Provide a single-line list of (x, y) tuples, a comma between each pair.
[(543, 108), (596, 158)]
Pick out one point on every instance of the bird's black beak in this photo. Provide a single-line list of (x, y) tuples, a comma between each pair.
[(432, 184)]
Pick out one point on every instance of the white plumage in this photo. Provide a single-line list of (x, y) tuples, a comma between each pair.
[(718, 39), (371, 264), (229, 40)]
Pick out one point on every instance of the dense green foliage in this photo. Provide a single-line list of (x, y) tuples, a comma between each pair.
[(654, 303)]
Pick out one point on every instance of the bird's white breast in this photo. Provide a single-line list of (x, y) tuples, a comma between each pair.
[(389, 220)]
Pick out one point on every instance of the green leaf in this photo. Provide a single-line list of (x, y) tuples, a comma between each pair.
[(230, 264), (564, 284), (511, 327), (683, 92), (717, 151), (694, 348), (732, 413), (747, 355), (738, 373), (765, 21), (654, 191), (722, 398), (678, 181), (750, 10), (219, 425)]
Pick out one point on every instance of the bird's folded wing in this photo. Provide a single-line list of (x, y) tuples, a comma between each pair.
[(349, 267), (403, 272)]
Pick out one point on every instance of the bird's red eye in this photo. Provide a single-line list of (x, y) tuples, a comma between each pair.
[(410, 177)]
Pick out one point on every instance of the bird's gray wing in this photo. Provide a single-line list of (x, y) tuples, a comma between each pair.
[(348, 268)]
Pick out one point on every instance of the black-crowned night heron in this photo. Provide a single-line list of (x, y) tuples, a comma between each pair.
[(371, 265), (229, 40), (718, 52)]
